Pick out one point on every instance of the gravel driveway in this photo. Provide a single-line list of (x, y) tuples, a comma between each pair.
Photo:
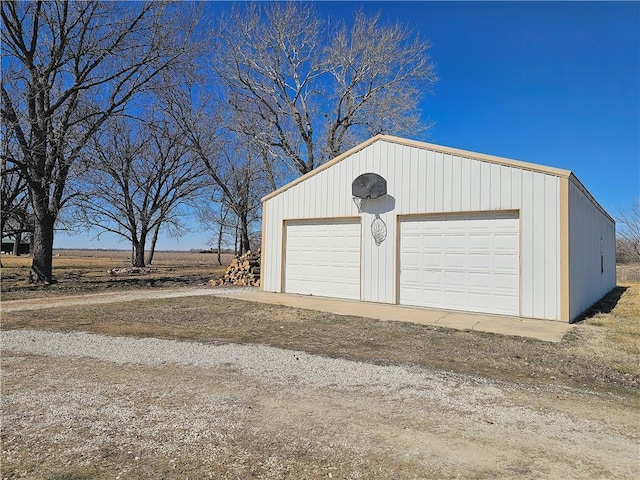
[(78, 405)]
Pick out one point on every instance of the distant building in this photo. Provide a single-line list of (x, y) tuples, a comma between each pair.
[(24, 248)]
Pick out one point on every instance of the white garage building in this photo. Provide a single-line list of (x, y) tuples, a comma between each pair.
[(455, 230)]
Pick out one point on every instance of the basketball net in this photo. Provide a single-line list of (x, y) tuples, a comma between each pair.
[(360, 203)]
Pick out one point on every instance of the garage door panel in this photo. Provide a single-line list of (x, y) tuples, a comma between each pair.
[(478, 279), (480, 261), (505, 304), (454, 279), (473, 265), (323, 258), (455, 241), (504, 281), (506, 263), (480, 301), (455, 260), (453, 298), (432, 278), (505, 242), (428, 260), (431, 242), (480, 242)]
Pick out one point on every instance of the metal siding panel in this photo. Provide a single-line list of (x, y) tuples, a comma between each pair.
[(347, 206), (551, 248), (456, 183), (302, 199), (406, 176), (505, 188), (429, 186), (439, 182), (485, 186), (414, 178), (333, 190), (476, 184), (362, 166), (465, 185), (282, 202), (538, 245), (273, 251), (527, 244), (447, 180), (296, 208), (422, 181), (495, 187), (429, 205), (387, 276), (267, 249), (587, 226), (516, 188), (349, 173), (376, 256), (321, 198)]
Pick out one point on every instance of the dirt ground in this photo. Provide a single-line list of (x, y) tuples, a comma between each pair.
[(82, 271), (86, 418)]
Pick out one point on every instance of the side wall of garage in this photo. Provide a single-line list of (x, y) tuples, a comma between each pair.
[(592, 251), (425, 181)]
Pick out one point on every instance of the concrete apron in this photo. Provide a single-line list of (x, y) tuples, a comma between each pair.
[(546, 330)]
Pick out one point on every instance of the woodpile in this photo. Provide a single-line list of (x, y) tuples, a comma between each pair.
[(243, 271)]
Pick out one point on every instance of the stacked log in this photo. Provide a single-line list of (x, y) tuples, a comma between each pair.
[(243, 271)]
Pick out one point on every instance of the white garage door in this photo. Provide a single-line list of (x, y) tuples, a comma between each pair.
[(323, 258), (458, 262)]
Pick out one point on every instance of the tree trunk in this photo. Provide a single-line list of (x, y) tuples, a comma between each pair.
[(235, 243), (138, 251), (153, 245), (42, 253), (17, 240), (220, 242), (1, 235), (244, 235)]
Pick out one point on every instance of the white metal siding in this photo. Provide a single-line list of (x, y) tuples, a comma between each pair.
[(460, 262), (323, 258), (588, 283), (425, 181)]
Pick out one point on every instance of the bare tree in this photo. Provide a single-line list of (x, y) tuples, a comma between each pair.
[(315, 95), (16, 218), (141, 178), (67, 68), (235, 162), (628, 242), (237, 171)]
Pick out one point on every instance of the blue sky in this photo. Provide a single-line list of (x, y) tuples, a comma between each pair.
[(554, 83)]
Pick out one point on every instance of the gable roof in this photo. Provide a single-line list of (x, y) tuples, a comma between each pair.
[(558, 172)]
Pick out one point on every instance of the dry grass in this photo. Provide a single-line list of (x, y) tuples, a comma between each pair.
[(587, 357), (628, 273), (86, 271), (622, 322), (602, 351)]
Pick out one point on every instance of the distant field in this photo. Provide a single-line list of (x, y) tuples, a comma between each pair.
[(87, 271)]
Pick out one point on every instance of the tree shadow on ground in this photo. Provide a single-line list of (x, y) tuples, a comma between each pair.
[(605, 305)]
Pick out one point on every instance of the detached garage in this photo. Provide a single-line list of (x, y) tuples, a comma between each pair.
[(411, 223)]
